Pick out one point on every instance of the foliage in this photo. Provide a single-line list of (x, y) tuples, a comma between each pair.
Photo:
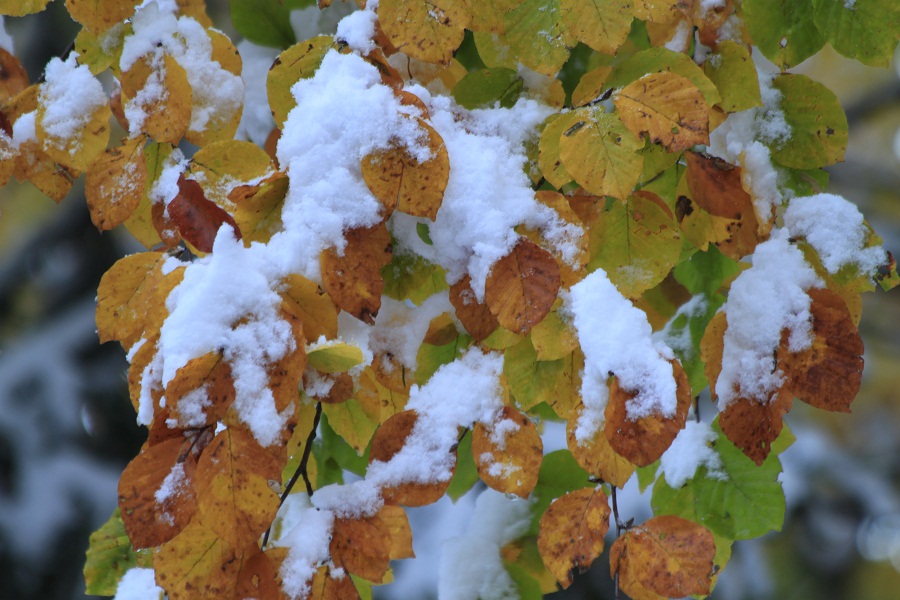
[(468, 219)]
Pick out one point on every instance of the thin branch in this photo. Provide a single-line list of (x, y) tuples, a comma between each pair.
[(301, 469), (697, 408), (619, 527)]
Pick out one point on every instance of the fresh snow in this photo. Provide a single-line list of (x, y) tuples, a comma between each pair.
[(138, 584), (690, 450), (65, 115)]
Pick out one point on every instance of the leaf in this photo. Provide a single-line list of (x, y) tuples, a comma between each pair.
[(300, 61), (668, 555), (554, 337), (486, 87), (140, 224), (258, 208), (222, 167), (658, 60), (745, 504), (115, 184), (99, 15), (668, 108), (165, 117), (427, 31), (232, 481), (522, 286), (14, 77), (156, 492), (392, 520), (783, 31), (258, 577), (549, 159), (411, 277), (201, 391), (572, 531), (598, 458), (335, 357), (263, 22), (537, 36), (430, 357), (818, 135), (601, 24), (353, 277), (360, 547), (643, 440), (197, 218), (220, 118), (400, 182), (326, 586), (131, 297), (350, 422), (600, 153), (591, 85), (732, 71), (508, 453), (20, 8), (865, 30), (752, 426), (466, 474), (198, 559), (81, 149), (532, 381), (109, 555)]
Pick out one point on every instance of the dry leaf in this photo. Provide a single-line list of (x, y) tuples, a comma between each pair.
[(522, 286)]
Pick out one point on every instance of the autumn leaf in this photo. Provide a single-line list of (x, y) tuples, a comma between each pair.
[(166, 117), (666, 107), (476, 318), (597, 457), (572, 531), (522, 286), (392, 520), (197, 218), (100, 15), (360, 546), (335, 357), (601, 24), (400, 182), (643, 440), (326, 586), (14, 77), (115, 183), (300, 61), (591, 85), (20, 8), (258, 577), (508, 453), (351, 422), (258, 208), (537, 35), (667, 555), (109, 556), (353, 277), (532, 380), (752, 426), (201, 391), (224, 166), (198, 559), (427, 31)]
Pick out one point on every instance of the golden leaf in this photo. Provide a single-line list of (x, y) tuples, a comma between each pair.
[(360, 547), (259, 206), (115, 183), (353, 278), (427, 31), (99, 15), (198, 559), (598, 458), (508, 453), (221, 167), (601, 24), (201, 391), (590, 86), (325, 586), (167, 116), (572, 531), (309, 303), (223, 119), (300, 61)]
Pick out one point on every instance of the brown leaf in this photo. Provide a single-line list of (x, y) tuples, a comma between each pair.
[(197, 218), (201, 391), (522, 286), (667, 555), (285, 374), (598, 458), (325, 586), (258, 577), (360, 547), (508, 453), (572, 531), (353, 278), (475, 317), (752, 426), (156, 492), (115, 183), (642, 441), (400, 182), (13, 77)]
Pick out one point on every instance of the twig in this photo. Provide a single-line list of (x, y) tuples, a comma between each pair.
[(697, 408)]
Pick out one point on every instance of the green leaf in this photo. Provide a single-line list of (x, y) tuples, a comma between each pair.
[(866, 30), (559, 474), (424, 233), (430, 357), (466, 474), (783, 30), (732, 70), (535, 34), (263, 22), (818, 124), (747, 504), (109, 555), (647, 475), (655, 60), (411, 277), (705, 272), (486, 87), (684, 332), (527, 586), (350, 422), (532, 381), (335, 357), (332, 454)]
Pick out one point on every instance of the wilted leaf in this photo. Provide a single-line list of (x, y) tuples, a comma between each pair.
[(508, 453), (522, 286), (601, 153), (572, 531), (668, 555), (198, 559), (232, 481), (157, 495), (360, 547), (166, 117), (300, 61), (598, 458), (115, 184), (643, 440), (601, 24), (197, 218), (427, 31), (666, 107), (400, 182), (353, 277), (99, 15), (109, 555)]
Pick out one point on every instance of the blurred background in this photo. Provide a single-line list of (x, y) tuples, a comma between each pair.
[(67, 428)]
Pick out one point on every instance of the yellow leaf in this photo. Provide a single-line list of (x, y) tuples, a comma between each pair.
[(601, 153), (99, 15), (393, 521), (553, 338), (427, 31), (325, 586), (535, 32), (335, 357), (20, 8), (601, 24), (508, 453), (300, 61), (198, 559), (115, 183), (488, 16), (549, 159), (221, 167), (350, 421), (309, 303), (666, 107), (80, 150), (166, 116), (353, 277), (402, 183), (141, 222), (591, 85), (598, 458), (224, 118), (258, 208), (571, 533)]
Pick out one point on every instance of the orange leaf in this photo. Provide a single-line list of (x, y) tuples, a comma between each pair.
[(669, 556), (392, 520), (475, 317), (401, 182), (233, 492), (353, 277), (201, 391), (13, 77), (360, 547), (198, 561), (752, 426), (156, 492), (166, 116), (309, 303), (667, 107), (258, 577), (325, 586), (115, 183), (522, 286), (259, 206), (644, 440), (508, 453), (197, 218), (598, 458), (572, 531), (285, 374)]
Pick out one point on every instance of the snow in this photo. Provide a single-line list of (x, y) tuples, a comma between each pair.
[(679, 40), (690, 450), (836, 229), (172, 484), (358, 29), (65, 115), (679, 338), (24, 129), (471, 565), (138, 584), (400, 327), (617, 339), (765, 299), (306, 532)]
